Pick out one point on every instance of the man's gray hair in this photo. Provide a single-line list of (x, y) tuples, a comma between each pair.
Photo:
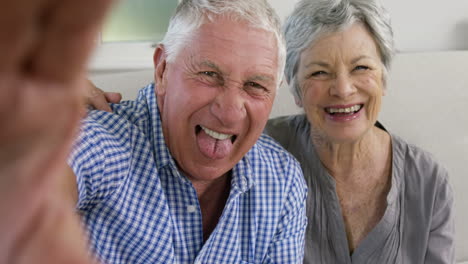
[(190, 15), (312, 19)]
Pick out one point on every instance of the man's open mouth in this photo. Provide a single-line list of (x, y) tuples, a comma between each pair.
[(214, 134)]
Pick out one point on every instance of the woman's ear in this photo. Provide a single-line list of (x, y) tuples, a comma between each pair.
[(159, 59), (298, 102)]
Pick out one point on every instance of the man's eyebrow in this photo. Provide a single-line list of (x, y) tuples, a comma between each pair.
[(262, 77), (256, 77), (210, 64)]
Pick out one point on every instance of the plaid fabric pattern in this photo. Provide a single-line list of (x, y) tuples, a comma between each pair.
[(138, 208)]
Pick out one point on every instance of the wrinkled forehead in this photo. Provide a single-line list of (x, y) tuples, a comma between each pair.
[(233, 45), (348, 42)]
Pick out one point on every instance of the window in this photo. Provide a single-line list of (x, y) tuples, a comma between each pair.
[(129, 33)]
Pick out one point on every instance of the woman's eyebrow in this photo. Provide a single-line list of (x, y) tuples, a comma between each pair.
[(319, 63), (359, 58)]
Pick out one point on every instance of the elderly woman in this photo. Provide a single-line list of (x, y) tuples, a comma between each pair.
[(373, 198)]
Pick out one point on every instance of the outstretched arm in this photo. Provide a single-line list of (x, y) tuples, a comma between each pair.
[(44, 47)]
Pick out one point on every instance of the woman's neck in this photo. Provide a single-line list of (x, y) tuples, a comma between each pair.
[(347, 159)]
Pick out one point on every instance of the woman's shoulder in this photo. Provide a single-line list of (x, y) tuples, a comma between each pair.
[(425, 178), (427, 196), (283, 128), (284, 122), (417, 161)]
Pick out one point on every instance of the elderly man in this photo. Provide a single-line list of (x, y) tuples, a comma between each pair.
[(183, 174)]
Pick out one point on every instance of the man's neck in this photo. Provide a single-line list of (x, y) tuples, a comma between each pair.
[(212, 196)]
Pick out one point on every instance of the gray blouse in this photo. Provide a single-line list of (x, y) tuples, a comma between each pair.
[(417, 226)]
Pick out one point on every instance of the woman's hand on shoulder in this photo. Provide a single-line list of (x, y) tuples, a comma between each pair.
[(98, 99)]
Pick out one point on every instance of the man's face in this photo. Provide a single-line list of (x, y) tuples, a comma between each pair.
[(216, 95)]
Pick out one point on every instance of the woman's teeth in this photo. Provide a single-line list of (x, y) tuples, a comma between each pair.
[(347, 110)]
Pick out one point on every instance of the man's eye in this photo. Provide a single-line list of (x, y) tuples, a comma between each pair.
[(210, 74), (256, 85), (256, 89)]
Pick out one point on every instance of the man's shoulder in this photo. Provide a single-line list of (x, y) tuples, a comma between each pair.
[(268, 145), (276, 171), (129, 114), (267, 152)]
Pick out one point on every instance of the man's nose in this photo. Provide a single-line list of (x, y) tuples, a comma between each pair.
[(342, 86), (229, 106)]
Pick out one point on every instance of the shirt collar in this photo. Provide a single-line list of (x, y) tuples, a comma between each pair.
[(242, 176), (161, 151)]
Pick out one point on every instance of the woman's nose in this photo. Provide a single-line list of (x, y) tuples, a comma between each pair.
[(342, 86)]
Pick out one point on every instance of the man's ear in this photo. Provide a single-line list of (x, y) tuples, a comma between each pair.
[(159, 59)]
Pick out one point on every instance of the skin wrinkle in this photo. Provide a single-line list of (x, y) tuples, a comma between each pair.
[(267, 81), (342, 158), (196, 69)]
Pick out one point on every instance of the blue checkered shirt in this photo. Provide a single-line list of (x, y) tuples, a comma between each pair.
[(138, 208)]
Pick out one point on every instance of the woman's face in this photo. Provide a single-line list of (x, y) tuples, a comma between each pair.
[(340, 77)]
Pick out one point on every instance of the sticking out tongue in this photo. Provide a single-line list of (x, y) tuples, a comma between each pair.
[(213, 148)]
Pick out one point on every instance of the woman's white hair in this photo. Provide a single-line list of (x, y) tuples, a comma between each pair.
[(311, 19), (191, 14)]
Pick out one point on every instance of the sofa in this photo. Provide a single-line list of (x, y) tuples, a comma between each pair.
[(425, 101)]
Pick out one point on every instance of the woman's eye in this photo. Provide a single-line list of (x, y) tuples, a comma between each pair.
[(361, 67), (318, 73)]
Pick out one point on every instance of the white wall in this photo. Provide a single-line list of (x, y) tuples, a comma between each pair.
[(429, 25), (419, 25)]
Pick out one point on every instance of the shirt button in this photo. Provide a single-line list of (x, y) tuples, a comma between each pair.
[(191, 209)]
